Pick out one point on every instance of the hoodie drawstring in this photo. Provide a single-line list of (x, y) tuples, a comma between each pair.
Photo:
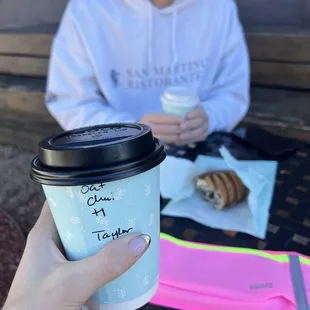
[(149, 36), (174, 38), (174, 11)]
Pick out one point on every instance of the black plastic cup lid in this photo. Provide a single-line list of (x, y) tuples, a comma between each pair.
[(102, 153)]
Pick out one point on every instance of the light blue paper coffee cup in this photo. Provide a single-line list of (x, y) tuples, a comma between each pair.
[(90, 213), (179, 100)]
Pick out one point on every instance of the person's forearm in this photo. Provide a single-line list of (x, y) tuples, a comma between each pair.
[(225, 111), (227, 101)]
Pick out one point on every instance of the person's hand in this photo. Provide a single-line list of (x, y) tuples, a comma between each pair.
[(46, 280), (194, 127), (166, 127)]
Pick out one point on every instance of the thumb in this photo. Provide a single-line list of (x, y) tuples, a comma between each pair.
[(111, 262)]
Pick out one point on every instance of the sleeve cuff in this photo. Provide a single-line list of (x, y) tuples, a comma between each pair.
[(211, 121)]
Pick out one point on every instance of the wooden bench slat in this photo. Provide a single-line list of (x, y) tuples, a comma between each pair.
[(26, 44), (281, 74), (22, 102), (281, 108), (282, 47), (24, 137), (21, 65), (24, 119)]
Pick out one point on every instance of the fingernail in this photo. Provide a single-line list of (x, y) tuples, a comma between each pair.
[(139, 245)]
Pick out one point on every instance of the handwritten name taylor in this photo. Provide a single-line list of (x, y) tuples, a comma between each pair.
[(103, 235)]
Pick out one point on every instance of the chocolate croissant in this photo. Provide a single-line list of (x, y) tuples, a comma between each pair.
[(221, 188)]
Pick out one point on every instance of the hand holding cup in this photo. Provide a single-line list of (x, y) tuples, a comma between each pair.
[(46, 280), (194, 127)]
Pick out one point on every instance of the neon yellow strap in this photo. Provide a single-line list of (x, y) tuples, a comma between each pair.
[(281, 258)]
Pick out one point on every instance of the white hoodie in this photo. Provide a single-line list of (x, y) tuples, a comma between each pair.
[(112, 59)]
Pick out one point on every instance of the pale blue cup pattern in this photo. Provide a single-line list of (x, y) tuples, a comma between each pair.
[(89, 217)]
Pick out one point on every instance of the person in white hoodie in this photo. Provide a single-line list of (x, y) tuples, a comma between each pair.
[(111, 61)]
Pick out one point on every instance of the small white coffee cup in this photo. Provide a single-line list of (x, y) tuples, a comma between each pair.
[(179, 100)]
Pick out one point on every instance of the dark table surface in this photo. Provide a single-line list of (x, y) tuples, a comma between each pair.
[(289, 222)]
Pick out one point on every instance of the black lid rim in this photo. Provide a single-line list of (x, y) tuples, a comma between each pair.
[(48, 142), (96, 146), (45, 176)]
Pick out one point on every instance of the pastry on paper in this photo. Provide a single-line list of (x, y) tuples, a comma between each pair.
[(221, 188)]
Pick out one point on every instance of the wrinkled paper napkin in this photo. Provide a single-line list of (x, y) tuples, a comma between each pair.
[(250, 216)]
